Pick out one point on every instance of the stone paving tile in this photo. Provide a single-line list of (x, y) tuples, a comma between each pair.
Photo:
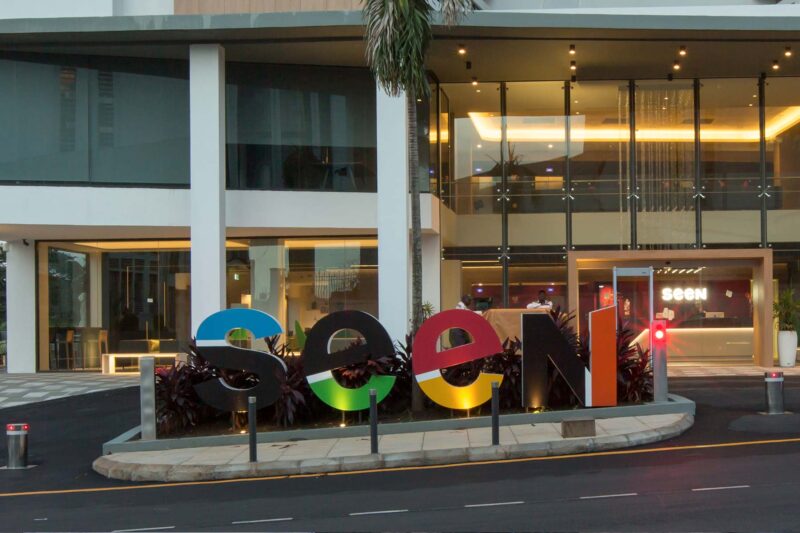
[(349, 447), (442, 440), (619, 426), (308, 448), (19, 389), (528, 433), (403, 442), (655, 421), (483, 436)]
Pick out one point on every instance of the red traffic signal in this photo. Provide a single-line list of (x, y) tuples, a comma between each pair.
[(659, 329)]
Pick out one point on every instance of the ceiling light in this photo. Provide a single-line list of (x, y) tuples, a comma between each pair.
[(549, 145), (775, 65), (462, 51), (787, 51), (474, 81), (666, 98), (749, 105), (663, 108), (576, 101), (573, 65), (479, 146), (676, 65), (477, 90), (682, 51), (572, 50)]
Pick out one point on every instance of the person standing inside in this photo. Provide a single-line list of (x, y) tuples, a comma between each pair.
[(541, 302), (459, 337)]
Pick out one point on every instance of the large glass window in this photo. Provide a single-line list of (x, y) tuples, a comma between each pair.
[(3, 329), (783, 159), (300, 128), (112, 297), (598, 151), (665, 163), (535, 129), (95, 120), (298, 281), (729, 145)]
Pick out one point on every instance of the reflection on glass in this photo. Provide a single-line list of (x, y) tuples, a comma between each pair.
[(729, 143), (298, 281), (535, 125), (100, 120), (665, 163), (783, 159), (598, 151), (68, 308), (117, 297), (300, 128), (474, 217)]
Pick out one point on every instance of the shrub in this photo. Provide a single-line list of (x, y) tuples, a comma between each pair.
[(177, 404)]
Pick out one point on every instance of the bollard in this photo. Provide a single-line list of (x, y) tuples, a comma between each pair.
[(147, 397), (251, 422), (373, 421), (773, 383), (17, 440), (495, 413)]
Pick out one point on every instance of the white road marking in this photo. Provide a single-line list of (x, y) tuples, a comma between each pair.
[(493, 504), (702, 489), (39, 519), (621, 495), (387, 511), (159, 528), (238, 522)]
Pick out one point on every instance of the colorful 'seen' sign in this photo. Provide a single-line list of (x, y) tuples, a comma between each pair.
[(541, 343)]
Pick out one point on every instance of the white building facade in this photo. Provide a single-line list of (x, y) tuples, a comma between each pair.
[(162, 160)]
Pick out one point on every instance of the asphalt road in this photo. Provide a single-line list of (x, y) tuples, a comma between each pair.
[(703, 480)]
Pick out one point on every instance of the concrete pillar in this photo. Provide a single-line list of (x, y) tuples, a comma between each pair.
[(431, 270), (394, 251), (21, 306), (207, 127)]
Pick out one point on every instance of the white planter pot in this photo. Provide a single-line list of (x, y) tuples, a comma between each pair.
[(787, 348)]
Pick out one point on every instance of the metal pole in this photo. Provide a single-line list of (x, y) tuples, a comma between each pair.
[(373, 421), (495, 413), (17, 443), (762, 150), (505, 193), (251, 421), (633, 193), (147, 397), (773, 385), (567, 170), (658, 351), (698, 177)]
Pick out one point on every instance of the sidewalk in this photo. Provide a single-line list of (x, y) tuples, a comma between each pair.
[(406, 449), (21, 389)]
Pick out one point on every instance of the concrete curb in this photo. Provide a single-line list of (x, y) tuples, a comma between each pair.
[(109, 467)]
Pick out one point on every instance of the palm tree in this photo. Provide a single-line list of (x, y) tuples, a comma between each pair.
[(398, 33)]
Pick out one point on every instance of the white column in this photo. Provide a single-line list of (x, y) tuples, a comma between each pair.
[(431, 270), (21, 306), (394, 270), (207, 127)]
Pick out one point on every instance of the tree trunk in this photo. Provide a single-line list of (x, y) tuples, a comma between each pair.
[(416, 236)]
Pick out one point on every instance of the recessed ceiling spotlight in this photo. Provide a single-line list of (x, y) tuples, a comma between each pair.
[(462, 50), (572, 50), (775, 65), (787, 51), (477, 90), (666, 98), (676, 65), (576, 101), (750, 105), (573, 65), (682, 51), (474, 81)]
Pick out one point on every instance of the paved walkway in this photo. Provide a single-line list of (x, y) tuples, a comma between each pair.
[(406, 449), (20, 389)]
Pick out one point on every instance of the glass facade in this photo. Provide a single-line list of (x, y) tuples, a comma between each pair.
[(300, 128), (534, 169), (95, 298), (298, 280), (94, 120), (3, 329)]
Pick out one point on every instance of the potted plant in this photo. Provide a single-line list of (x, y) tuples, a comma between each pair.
[(785, 310)]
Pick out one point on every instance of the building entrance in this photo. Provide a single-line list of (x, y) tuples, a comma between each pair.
[(717, 303)]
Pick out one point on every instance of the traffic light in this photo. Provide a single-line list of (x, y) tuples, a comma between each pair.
[(658, 352), (659, 333)]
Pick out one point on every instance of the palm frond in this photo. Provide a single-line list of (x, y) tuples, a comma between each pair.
[(454, 10)]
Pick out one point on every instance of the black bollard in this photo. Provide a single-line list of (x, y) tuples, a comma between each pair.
[(495, 413), (373, 421), (251, 421)]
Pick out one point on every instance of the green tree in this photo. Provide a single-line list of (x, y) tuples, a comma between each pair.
[(398, 34)]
